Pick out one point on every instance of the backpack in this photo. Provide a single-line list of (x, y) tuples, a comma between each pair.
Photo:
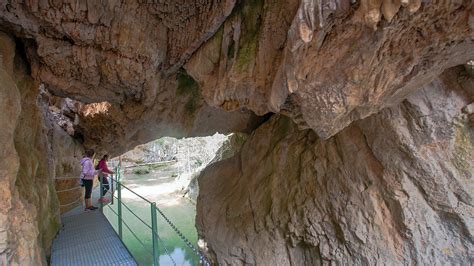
[(81, 178)]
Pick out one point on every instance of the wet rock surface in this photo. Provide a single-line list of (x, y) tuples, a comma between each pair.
[(394, 188)]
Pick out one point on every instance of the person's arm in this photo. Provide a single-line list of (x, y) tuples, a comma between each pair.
[(106, 169)]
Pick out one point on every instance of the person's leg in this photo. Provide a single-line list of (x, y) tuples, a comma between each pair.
[(86, 202), (88, 193), (106, 186)]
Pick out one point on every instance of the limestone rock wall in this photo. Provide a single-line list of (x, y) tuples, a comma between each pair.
[(116, 46), (324, 63), (394, 188), (123, 61), (35, 151), (229, 148), (328, 63), (146, 69)]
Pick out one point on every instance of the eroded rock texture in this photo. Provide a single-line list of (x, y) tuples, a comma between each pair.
[(34, 152), (335, 62), (179, 111), (124, 59), (119, 47), (323, 63), (394, 188), (122, 73)]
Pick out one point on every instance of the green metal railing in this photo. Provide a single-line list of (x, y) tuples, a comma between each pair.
[(153, 217)]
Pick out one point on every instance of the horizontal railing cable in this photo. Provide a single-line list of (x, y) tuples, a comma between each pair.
[(136, 237), (71, 203), (138, 195), (164, 247), (69, 189), (125, 205), (112, 209), (155, 236), (185, 240)]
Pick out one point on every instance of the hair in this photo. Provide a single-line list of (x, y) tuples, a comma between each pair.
[(90, 152), (105, 157)]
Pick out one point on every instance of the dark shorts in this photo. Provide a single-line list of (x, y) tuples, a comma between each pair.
[(88, 186)]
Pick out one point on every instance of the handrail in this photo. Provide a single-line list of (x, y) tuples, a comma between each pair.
[(71, 203), (154, 228), (181, 235), (112, 210), (164, 246), (136, 237), (69, 189), (147, 225), (138, 195)]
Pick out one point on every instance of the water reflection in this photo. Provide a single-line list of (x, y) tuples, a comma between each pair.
[(180, 211), (178, 255)]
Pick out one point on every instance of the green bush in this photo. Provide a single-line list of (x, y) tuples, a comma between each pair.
[(155, 166), (141, 171), (199, 162)]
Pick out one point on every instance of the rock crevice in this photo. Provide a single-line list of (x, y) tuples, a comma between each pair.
[(35, 152), (366, 160), (391, 188)]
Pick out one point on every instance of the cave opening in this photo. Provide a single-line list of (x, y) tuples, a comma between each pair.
[(360, 145), (164, 171)]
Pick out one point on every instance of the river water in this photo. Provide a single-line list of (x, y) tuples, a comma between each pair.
[(157, 188)]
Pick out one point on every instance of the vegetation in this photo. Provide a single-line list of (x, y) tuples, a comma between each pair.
[(186, 83), (251, 17), (156, 166), (199, 162), (141, 171), (187, 86)]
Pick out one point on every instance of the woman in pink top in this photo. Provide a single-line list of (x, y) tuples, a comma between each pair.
[(105, 171), (87, 175)]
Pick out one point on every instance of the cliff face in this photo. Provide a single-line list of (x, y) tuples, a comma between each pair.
[(371, 182), (325, 63), (124, 60), (328, 63), (35, 151), (394, 188)]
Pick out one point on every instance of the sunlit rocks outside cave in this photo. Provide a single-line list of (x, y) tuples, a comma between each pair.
[(165, 171)]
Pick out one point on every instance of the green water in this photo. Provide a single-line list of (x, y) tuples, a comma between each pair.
[(181, 212)]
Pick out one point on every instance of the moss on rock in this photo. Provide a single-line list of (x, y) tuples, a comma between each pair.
[(188, 87), (251, 17)]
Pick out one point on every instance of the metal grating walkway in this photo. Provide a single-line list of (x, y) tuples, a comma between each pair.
[(87, 238)]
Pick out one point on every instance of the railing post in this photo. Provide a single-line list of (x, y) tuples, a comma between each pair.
[(101, 188), (154, 234), (119, 208), (111, 187)]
